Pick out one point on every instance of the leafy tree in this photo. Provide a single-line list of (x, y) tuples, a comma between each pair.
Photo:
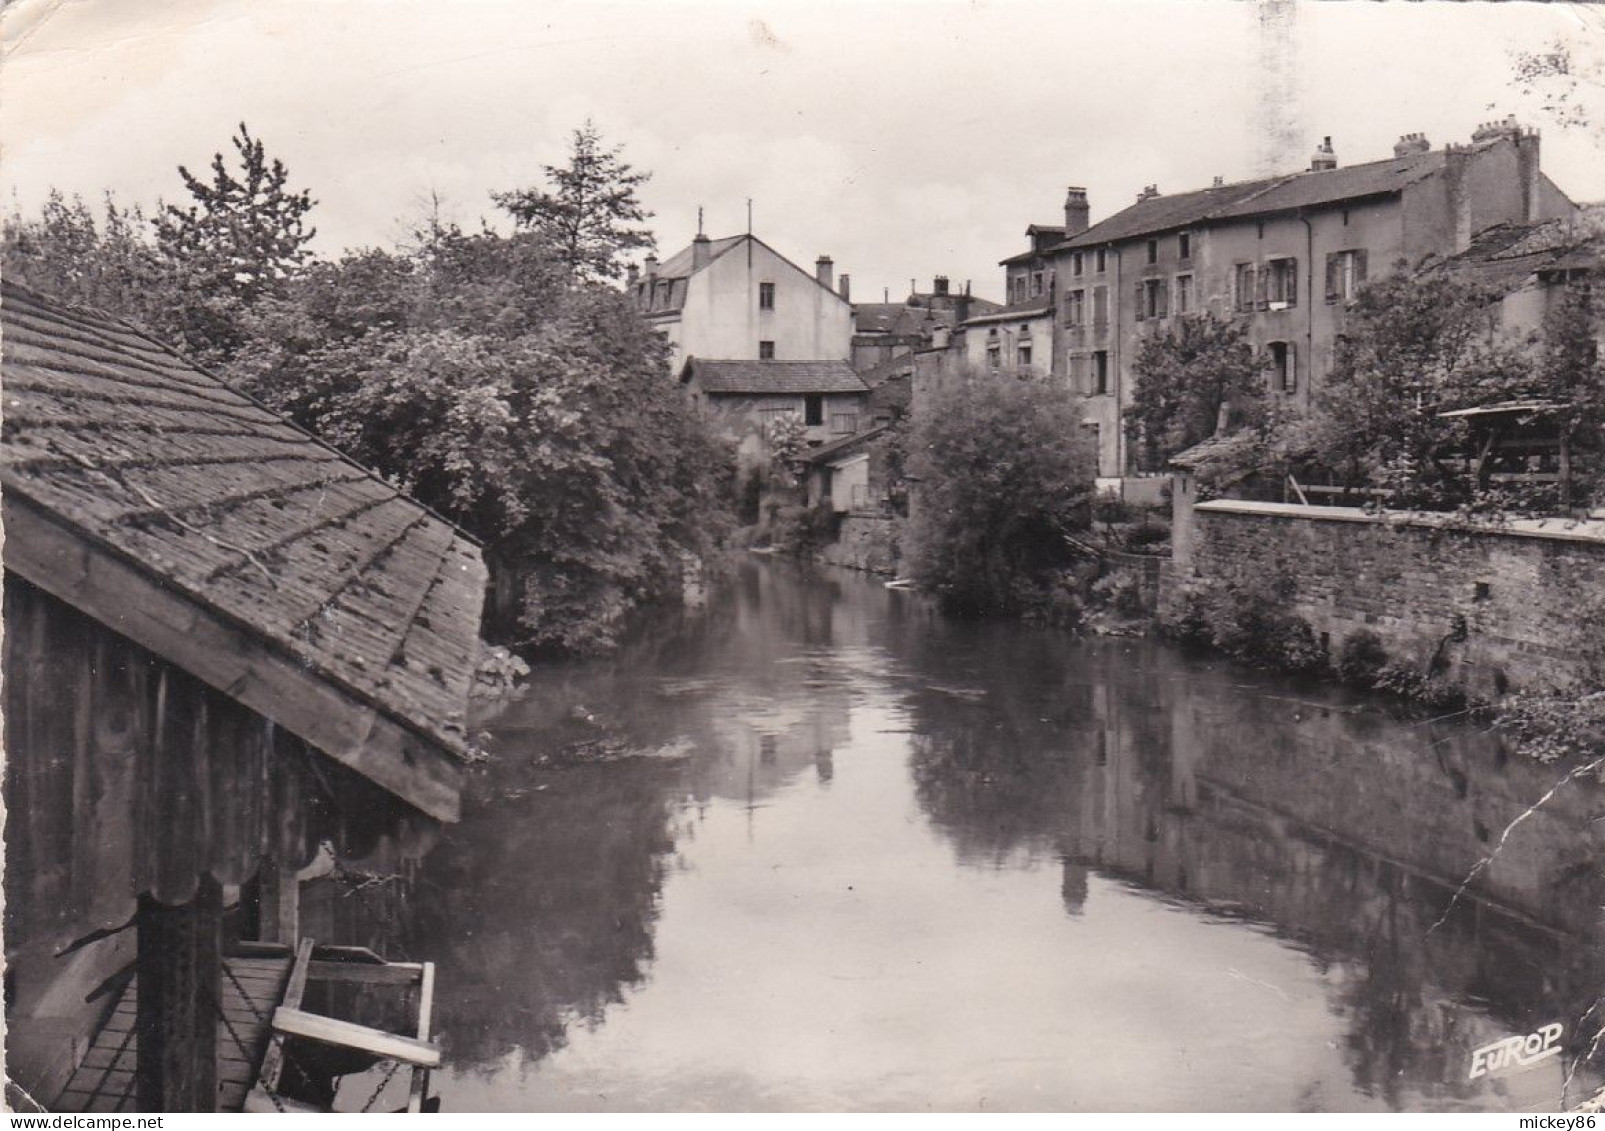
[(1185, 378), (788, 442), (590, 214), (1570, 372), (1415, 345), (539, 416), (1568, 78), (1003, 474), (108, 263)]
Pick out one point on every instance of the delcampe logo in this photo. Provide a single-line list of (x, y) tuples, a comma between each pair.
[(1510, 1053)]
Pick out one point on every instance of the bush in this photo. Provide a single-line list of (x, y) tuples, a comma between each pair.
[(1147, 533), (1121, 591), (1361, 657), (1246, 616)]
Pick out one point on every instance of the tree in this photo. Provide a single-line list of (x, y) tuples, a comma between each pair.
[(1003, 473), (107, 263), (1570, 373), (591, 214), (1415, 345), (1568, 78), (1185, 377), (538, 415)]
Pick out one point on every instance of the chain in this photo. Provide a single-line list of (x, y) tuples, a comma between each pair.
[(383, 1083)]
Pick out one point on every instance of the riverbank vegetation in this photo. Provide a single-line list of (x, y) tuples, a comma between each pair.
[(1004, 473), (496, 375)]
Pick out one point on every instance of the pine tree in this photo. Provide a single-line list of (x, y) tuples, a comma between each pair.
[(245, 232), (591, 214)]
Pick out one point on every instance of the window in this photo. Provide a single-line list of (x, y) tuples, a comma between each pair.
[(1075, 308), (1281, 287), (1100, 372), (1345, 271), (994, 357), (766, 296), (1100, 259), (1100, 306), (766, 351), (1284, 367), (813, 410), (1075, 368), (843, 423), (1075, 264), (1184, 294), (1036, 283), (1184, 245), (1243, 287), (1023, 356), (1153, 300), (1153, 251)]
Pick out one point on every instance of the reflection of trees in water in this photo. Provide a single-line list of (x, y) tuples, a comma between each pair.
[(1186, 785), (539, 909)]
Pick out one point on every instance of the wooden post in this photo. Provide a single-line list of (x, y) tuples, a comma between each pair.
[(278, 904), (180, 990), (1565, 470)]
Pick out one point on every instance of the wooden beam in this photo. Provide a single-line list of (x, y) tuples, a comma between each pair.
[(232, 658), (294, 990), (333, 1031), (278, 903), (418, 1092), (179, 991), (389, 974)]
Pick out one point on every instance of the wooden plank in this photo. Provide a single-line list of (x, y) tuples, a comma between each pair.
[(256, 953), (331, 1030), (358, 953), (179, 983), (390, 974), (235, 659), (418, 1091), (294, 991)]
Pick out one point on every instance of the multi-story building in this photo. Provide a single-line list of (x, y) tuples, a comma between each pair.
[(737, 299), (1283, 253)]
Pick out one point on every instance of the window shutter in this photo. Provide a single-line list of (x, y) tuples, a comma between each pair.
[(1141, 311), (1291, 267), (1333, 268), (1164, 298), (1290, 381), (1262, 286), (1359, 266)]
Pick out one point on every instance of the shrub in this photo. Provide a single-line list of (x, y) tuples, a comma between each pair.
[(1247, 617), (1361, 657)]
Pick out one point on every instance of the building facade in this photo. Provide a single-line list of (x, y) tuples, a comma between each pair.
[(1282, 254), (737, 299)]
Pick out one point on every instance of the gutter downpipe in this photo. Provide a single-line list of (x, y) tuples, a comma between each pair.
[(1308, 394), (1117, 303)]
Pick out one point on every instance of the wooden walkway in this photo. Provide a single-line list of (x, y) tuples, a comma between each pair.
[(252, 989)]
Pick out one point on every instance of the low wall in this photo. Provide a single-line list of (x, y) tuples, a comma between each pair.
[(1528, 594), (866, 541)]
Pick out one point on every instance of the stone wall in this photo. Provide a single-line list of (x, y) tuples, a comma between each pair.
[(1506, 607), (868, 542)]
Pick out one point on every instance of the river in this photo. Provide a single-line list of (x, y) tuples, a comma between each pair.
[(819, 847)]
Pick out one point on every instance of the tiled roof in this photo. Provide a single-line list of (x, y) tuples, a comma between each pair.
[(897, 366), (678, 265), (1504, 256), (1030, 308), (237, 512), (1259, 197), (847, 445), (773, 377)]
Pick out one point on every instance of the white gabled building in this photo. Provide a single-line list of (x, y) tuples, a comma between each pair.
[(737, 299)]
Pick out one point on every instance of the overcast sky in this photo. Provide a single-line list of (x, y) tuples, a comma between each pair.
[(903, 138)]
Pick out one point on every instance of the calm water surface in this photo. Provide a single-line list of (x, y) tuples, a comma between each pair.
[(819, 848)]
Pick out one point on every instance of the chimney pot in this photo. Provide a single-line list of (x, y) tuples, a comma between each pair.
[(824, 271), (1220, 181), (1077, 211), (701, 251), (1411, 143), (1324, 158), (651, 267), (939, 285)]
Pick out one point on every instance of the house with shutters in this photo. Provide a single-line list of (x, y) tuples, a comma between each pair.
[(738, 299), (746, 399), (1284, 254)]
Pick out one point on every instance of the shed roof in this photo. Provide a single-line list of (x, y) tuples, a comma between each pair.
[(773, 377), (361, 606)]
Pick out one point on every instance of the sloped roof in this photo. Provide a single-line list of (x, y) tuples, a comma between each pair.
[(1030, 308), (678, 265), (137, 454), (895, 366), (1258, 197), (773, 377), (1504, 256), (847, 445)]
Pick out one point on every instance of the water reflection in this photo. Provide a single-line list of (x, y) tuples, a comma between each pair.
[(841, 852)]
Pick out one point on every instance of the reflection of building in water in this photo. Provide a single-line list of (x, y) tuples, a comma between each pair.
[(1344, 830)]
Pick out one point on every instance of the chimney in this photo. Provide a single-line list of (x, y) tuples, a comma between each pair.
[(701, 252), (824, 271), (651, 267), (632, 275), (1220, 181), (1148, 193), (1505, 127), (939, 286), (1076, 210), (1324, 159), (1411, 143), (1456, 163), (845, 288), (1527, 167)]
